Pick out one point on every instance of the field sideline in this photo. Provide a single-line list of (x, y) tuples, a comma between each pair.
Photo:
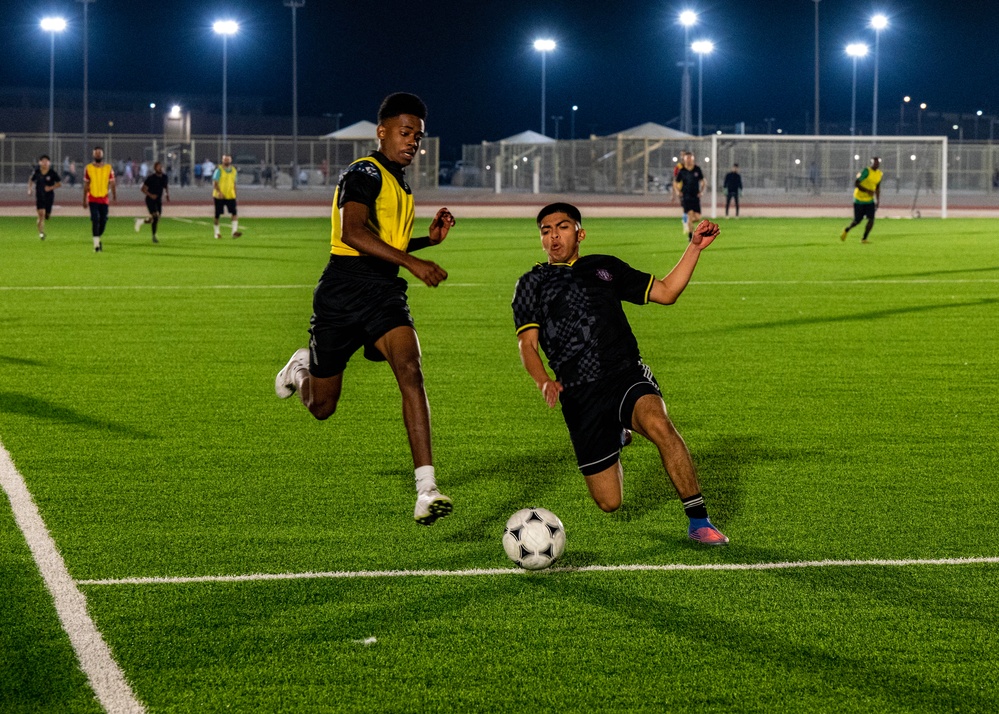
[(233, 553)]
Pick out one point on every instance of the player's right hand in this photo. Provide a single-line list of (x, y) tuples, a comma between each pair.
[(705, 232), (550, 391), (429, 272)]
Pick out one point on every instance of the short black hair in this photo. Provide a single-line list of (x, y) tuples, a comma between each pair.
[(735, 166), (98, 147), (44, 156), (401, 103), (566, 208)]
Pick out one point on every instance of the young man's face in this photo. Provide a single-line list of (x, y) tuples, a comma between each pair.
[(98, 155), (875, 163), (227, 161), (158, 168), (44, 165), (399, 138), (688, 161), (560, 237)]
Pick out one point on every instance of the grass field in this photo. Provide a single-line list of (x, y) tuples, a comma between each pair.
[(839, 400)]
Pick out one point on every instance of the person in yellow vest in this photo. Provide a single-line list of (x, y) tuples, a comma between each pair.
[(98, 181), (866, 197), (360, 301), (224, 193)]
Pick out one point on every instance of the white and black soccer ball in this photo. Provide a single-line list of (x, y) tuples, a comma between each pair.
[(534, 538)]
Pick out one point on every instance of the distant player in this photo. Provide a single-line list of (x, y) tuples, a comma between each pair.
[(733, 187), (360, 301), (866, 197), (156, 187), (45, 181), (224, 193), (570, 307), (674, 194), (690, 185), (98, 183)]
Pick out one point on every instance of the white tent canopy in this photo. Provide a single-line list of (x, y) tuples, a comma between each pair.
[(527, 137), (651, 130), (360, 131)]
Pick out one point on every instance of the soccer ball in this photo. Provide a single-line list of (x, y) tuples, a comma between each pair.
[(534, 538)]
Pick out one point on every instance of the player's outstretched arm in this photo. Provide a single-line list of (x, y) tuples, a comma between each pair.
[(667, 290), (527, 343), (358, 236)]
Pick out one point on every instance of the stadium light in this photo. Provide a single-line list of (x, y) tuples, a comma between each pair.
[(688, 18), (175, 111), (52, 25), (855, 50), (152, 124), (543, 46), (878, 22), (919, 118), (701, 47), (572, 121), (901, 114), (225, 28)]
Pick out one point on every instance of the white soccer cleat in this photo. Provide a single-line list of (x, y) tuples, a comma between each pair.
[(284, 384), (138, 224), (430, 506)]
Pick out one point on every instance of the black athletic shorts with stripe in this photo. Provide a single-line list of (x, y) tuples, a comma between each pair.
[(351, 308), (596, 412)]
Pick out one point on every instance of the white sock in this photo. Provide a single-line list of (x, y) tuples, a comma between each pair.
[(425, 481), (97, 241), (235, 225), (218, 232)]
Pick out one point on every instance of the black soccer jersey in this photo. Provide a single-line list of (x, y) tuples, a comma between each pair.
[(690, 181), (156, 183), (577, 311), (42, 180)]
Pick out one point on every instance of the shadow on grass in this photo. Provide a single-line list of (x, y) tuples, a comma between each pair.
[(928, 273), (858, 317), (23, 405), (20, 361)]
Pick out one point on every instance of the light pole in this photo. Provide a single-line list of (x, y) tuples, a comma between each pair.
[(544, 47), (901, 114), (817, 67), (572, 121), (688, 18), (977, 115), (52, 25), (294, 5), (878, 22), (86, 93), (556, 118), (919, 118), (701, 47), (855, 50), (225, 28), (152, 125)]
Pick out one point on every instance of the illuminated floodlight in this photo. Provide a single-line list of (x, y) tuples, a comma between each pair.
[(175, 111), (152, 105), (688, 18), (978, 113), (797, 162), (857, 49), (780, 131), (912, 157), (544, 45), (53, 24), (906, 99), (879, 22), (923, 105), (956, 127), (703, 47), (226, 27), (856, 157)]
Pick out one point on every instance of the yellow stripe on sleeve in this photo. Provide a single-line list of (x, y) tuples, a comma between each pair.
[(528, 326), (648, 290)]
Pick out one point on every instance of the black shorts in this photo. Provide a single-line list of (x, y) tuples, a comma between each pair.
[(225, 204), (351, 312), (154, 205), (597, 412), (864, 210), (691, 204), (44, 202)]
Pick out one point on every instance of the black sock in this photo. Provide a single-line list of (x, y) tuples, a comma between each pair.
[(694, 506)]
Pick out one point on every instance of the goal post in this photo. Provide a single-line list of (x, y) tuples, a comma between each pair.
[(816, 174)]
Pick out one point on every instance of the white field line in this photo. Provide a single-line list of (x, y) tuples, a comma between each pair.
[(188, 220), (105, 677), (16, 288), (473, 572)]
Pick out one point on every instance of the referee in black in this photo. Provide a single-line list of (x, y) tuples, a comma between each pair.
[(155, 188), (46, 181), (570, 307)]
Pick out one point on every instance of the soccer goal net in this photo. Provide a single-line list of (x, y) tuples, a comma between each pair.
[(812, 173)]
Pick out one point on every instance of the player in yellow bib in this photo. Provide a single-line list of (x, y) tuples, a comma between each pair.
[(866, 197), (360, 302), (224, 193)]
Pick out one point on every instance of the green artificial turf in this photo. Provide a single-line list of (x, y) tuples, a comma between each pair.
[(839, 401)]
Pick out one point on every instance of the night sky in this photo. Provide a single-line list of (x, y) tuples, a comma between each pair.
[(474, 64)]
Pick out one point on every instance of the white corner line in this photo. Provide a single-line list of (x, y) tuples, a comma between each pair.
[(105, 676), (472, 572)]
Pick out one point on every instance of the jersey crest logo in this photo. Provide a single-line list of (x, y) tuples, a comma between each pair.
[(604, 274)]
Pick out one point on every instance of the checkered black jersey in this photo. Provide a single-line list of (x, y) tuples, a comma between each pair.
[(577, 311)]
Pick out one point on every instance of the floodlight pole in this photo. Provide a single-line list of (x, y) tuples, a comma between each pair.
[(86, 93), (294, 5), (853, 102), (225, 91), (51, 92), (685, 118), (817, 67)]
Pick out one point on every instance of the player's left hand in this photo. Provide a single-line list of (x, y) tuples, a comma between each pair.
[(704, 234), (439, 227)]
